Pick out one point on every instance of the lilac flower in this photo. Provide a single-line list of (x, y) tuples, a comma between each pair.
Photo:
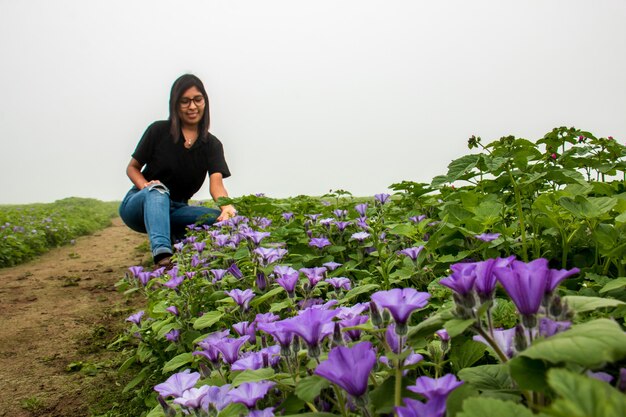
[(340, 214), (144, 277), (349, 368), (249, 393), (328, 221), (313, 217), (262, 222), (173, 310), (415, 408), (355, 310), (287, 278), (287, 216), (505, 339), (555, 276), (312, 326), (439, 387), (172, 335), (341, 226), (361, 209), (234, 270), (245, 328), (269, 255), (159, 272), (361, 223), (179, 246), (199, 246), (256, 237), (382, 198), (278, 331), (462, 279), (339, 282), (353, 334), (267, 412), (208, 344), (525, 283), (242, 298), (412, 253), (360, 236), (600, 376), (314, 275), (195, 260), (136, 318), (217, 397), (319, 242), (487, 237), (485, 283), (192, 398), (443, 335), (411, 359), (177, 384), (417, 219), (229, 348), (266, 318), (401, 302), (331, 266), (251, 362), (174, 281), (218, 274), (135, 270), (548, 327)]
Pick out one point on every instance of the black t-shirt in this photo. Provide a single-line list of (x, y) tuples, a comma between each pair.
[(182, 170)]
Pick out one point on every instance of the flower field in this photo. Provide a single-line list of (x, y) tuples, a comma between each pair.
[(30, 230), (498, 289)]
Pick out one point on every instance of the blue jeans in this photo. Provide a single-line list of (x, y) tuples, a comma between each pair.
[(152, 211)]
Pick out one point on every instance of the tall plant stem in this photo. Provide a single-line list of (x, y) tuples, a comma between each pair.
[(341, 401), (398, 390), (492, 343), (520, 214)]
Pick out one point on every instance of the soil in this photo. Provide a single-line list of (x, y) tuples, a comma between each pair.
[(57, 315)]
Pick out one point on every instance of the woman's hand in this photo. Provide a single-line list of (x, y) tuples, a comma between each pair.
[(227, 212)]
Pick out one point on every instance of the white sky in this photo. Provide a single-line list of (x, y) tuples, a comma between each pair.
[(306, 96)]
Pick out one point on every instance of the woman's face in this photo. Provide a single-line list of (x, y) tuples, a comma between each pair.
[(191, 107)]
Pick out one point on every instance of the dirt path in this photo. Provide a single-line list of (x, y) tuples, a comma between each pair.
[(52, 312)]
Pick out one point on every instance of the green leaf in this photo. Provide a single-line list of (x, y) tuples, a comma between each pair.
[(428, 327), (589, 344), (488, 377), (581, 304), (616, 284), (253, 376), (137, 379), (403, 229), (157, 411), (462, 166), (582, 396), (309, 388), (491, 407), (177, 361), (311, 415), (257, 301), (456, 327), (466, 355), (275, 307), (207, 320), (358, 291), (529, 373), (233, 410)]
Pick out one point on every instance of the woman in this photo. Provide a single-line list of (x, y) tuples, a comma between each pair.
[(169, 166)]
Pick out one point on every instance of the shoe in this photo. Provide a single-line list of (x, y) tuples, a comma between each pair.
[(165, 262)]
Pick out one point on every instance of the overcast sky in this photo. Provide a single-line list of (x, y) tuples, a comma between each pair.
[(306, 96)]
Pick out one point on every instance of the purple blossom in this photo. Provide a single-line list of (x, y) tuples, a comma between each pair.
[(267, 256), (353, 334), (555, 276), (229, 348), (462, 279), (319, 242), (485, 283), (382, 198), (417, 219), (266, 318), (278, 331), (415, 408), (600, 376), (179, 246), (349, 368), (340, 214), (525, 283), (218, 274), (505, 339), (328, 221), (412, 253), (172, 335), (548, 327), (255, 237), (361, 209), (199, 246), (401, 302), (177, 384), (339, 282), (136, 318), (217, 397), (267, 412), (245, 328), (135, 270), (173, 310), (287, 278), (251, 362), (288, 216), (314, 275), (208, 344), (249, 393), (435, 387), (192, 398), (234, 270), (331, 266), (341, 226), (487, 237), (312, 325), (360, 236), (361, 223), (411, 359), (242, 298), (144, 277), (174, 281)]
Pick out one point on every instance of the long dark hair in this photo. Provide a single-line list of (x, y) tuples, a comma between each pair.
[(182, 84)]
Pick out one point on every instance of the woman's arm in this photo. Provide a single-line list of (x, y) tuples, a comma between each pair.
[(133, 170), (217, 190)]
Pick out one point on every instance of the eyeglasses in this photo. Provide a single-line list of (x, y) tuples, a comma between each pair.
[(186, 101)]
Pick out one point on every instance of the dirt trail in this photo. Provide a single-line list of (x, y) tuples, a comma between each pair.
[(51, 309)]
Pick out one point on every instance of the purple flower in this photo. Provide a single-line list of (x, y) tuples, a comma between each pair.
[(217, 397), (234, 270), (249, 393), (218, 274), (279, 332), (266, 318), (267, 256), (177, 384), (415, 408), (319, 242), (229, 348), (361, 209), (401, 302), (173, 310), (331, 266), (462, 279), (312, 325), (417, 219), (339, 282), (144, 277), (361, 222), (199, 246), (287, 216), (192, 398), (435, 387), (252, 362), (136, 318), (313, 217), (485, 283), (256, 237), (208, 344), (382, 198), (487, 237), (172, 335), (360, 236), (287, 278), (314, 275), (341, 226), (349, 368), (135, 270), (353, 334), (525, 283), (328, 221), (267, 412), (412, 253), (242, 298), (505, 339), (174, 281), (443, 335), (340, 214), (548, 327), (600, 376), (555, 277), (245, 328)]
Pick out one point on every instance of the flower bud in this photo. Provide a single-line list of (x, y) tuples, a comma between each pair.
[(520, 340), (377, 320)]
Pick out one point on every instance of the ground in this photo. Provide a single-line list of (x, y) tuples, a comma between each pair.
[(57, 314)]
